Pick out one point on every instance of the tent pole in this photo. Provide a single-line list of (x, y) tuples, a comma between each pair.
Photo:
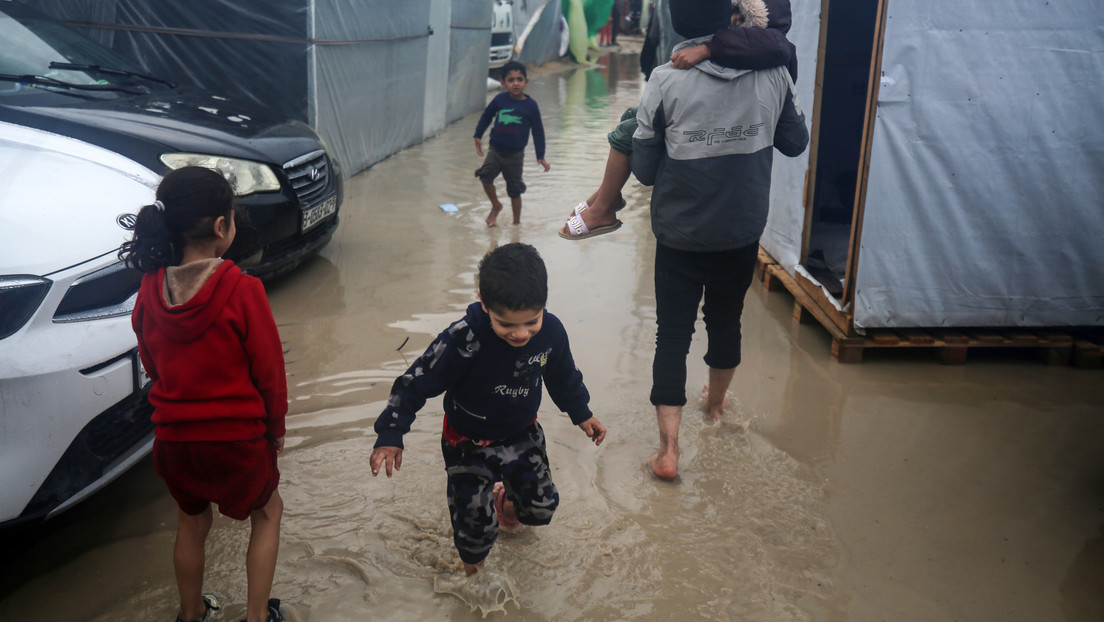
[(859, 210)]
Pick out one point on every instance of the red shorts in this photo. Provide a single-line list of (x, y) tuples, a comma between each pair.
[(238, 476)]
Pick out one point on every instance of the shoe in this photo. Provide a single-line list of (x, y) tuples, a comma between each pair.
[(274, 614), (210, 603), (499, 492), (577, 229)]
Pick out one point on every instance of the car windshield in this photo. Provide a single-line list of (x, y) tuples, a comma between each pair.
[(32, 43)]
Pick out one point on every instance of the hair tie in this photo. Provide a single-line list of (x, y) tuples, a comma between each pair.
[(159, 206)]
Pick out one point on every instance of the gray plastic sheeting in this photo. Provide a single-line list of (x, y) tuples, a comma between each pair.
[(782, 237), (985, 204), (371, 76), (543, 39)]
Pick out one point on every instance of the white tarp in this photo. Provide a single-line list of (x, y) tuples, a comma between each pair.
[(985, 204), (782, 237)]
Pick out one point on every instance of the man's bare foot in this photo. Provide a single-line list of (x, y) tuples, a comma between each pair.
[(713, 410), (664, 465), (492, 218)]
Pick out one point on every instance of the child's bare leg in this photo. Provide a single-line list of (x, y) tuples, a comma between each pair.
[(665, 463), (496, 205), (260, 560), (713, 397), (189, 559), (515, 206), (603, 203)]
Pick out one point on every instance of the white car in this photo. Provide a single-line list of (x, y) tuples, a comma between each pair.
[(502, 33), (73, 407)]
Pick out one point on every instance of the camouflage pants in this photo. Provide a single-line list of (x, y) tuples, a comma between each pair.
[(521, 463)]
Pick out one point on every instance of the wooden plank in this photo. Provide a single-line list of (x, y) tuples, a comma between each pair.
[(847, 351), (953, 355), (918, 336), (1057, 339), (1081, 347), (1057, 355), (771, 280), (1087, 355), (952, 337), (817, 297), (1022, 337), (883, 337), (858, 213), (984, 337)]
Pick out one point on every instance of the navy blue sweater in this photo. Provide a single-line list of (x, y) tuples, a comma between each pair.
[(513, 120), (492, 389)]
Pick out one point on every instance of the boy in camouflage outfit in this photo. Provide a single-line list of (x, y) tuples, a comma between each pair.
[(490, 365)]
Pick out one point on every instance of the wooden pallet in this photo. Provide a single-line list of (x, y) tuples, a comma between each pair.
[(1082, 348)]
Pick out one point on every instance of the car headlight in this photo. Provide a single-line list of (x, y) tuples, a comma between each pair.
[(19, 297), (245, 177)]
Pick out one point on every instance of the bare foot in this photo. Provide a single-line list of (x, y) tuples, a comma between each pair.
[(470, 569), (664, 465), (492, 218), (711, 410)]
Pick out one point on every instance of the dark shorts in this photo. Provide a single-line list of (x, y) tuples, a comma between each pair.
[(509, 164), (238, 476), (621, 136), (521, 464)]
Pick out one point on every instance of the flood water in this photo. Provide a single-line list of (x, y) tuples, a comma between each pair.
[(898, 489)]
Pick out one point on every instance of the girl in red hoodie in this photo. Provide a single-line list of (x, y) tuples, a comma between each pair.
[(209, 343)]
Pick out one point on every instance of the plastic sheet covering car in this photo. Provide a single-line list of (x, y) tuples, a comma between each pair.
[(53, 78), (371, 76)]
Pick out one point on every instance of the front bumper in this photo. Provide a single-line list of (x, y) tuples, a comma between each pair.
[(73, 408)]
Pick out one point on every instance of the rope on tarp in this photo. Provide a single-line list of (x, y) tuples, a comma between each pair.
[(240, 36)]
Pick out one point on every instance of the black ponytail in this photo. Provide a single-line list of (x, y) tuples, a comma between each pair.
[(189, 200), (152, 246)]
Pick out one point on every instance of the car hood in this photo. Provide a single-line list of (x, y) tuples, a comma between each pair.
[(168, 120), (63, 199)]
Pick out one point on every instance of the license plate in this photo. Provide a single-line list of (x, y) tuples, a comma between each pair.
[(317, 213)]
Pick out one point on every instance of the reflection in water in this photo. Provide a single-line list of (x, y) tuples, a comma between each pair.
[(1082, 593), (898, 489)]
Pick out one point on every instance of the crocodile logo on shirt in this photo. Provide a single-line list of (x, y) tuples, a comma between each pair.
[(505, 118)]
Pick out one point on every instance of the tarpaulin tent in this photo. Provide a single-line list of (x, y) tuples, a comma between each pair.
[(372, 76), (536, 30), (954, 174)]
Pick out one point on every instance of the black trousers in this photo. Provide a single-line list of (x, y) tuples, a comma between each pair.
[(682, 278)]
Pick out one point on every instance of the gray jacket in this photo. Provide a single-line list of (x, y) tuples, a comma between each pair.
[(705, 140)]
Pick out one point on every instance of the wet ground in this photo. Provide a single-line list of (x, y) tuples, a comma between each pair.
[(898, 489)]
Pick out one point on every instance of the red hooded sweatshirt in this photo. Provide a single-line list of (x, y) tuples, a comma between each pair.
[(215, 357)]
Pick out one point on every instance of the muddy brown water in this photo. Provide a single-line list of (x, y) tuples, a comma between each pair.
[(898, 489)]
